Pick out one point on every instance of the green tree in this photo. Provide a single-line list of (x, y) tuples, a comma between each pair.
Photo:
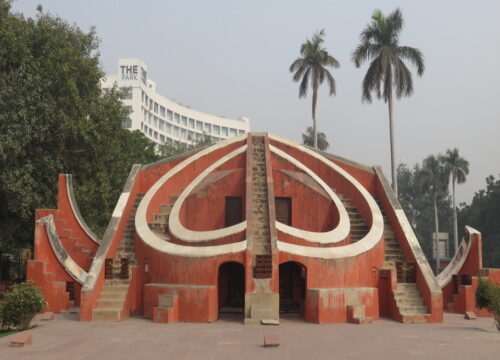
[(458, 168), (432, 178), (483, 214), (308, 139), (311, 68), (54, 119), (387, 73)]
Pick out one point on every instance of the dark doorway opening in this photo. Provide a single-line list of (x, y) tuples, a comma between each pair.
[(231, 288), (292, 277), (234, 210), (284, 210)]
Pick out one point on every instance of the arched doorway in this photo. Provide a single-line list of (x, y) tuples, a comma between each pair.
[(292, 277), (231, 288)]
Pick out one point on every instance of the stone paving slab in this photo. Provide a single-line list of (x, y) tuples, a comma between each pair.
[(67, 338)]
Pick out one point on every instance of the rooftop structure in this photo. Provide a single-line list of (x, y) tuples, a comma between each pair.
[(163, 120)]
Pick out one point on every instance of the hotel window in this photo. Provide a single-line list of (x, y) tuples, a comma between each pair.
[(146, 100), (128, 93), (169, 115), (177, 118), (208, 128), (215, 139), (162, 111), (224, 131), (145, 113), (150, 118), (156, 108), (155, 121), (216, 129), (142, 125), (191, 123), (127, 123), (151, 132), (169, 128), (142, 96), (184, 121), (183, 134), (176, 131), (232, 132), (190, 135), (156, 136), (199, 125), (145, 129), (162, 125), (199, 136), (241, 132), (162, 138), (150, 104), (169, 140)]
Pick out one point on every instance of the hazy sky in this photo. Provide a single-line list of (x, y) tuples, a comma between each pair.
[(231, 58)]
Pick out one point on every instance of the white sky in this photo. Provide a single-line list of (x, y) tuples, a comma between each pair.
[(231, 58)]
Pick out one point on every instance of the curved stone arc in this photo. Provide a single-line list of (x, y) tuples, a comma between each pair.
[(72, 268), (76, 210), (374, 235), (154, 241), (184, 234), (330, 237), (445, 276)]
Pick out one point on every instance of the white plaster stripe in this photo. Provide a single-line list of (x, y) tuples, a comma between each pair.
[(373, 236), (181, 232), (66, 261), (76, 210), (445, 276), (120, 205), (334, 236), (154, 241)]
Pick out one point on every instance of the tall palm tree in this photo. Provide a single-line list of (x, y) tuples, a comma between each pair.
[(432, 178), (308, 139), (312, 67), (387, 73), (458, 168)]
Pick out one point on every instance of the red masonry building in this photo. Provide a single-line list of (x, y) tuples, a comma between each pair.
[(257, 225)]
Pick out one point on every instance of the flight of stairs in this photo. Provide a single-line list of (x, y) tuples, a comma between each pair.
[(407, 295), (112, 298), (159, 225), (359, 228)]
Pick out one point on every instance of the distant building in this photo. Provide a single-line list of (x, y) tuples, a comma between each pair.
[(161, 119)]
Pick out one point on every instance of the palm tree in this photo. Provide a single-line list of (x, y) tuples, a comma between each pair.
[(458, 168), (432, 178), (312, 67), (387, 72), (308, 139)]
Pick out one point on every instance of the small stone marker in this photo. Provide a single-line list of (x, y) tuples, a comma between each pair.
[(48, 315), (21, 339), (469, 315), (271, 341)]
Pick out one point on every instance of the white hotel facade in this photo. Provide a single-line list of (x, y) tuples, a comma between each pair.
[(162, 120)]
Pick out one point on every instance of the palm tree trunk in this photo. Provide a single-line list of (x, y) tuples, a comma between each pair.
[(393, 145), (436, 239), (315, 132), (455, 225)]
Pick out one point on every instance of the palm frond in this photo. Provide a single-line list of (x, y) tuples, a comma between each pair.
[(414, 56)]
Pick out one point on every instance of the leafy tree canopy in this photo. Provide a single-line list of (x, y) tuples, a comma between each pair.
[(54, 119), (308, 139)]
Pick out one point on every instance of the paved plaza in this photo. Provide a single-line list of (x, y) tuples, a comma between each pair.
[(137, 338)]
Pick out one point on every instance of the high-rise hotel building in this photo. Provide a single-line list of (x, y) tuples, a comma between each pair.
[(162, 120)]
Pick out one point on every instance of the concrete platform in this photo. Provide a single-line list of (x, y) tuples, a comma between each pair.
[(137, 338)]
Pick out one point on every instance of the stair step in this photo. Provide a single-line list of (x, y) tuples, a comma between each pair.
[(110, 304), (106, 314)]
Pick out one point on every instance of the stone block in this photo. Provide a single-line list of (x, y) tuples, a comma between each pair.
[(469, 315), (271, 341), (21, 339), (48, 315)]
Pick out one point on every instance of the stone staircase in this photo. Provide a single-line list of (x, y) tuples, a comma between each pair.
[(407, 296), (79, 252), (262, 305), (160, 220), (359, 228), (110, 304)]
